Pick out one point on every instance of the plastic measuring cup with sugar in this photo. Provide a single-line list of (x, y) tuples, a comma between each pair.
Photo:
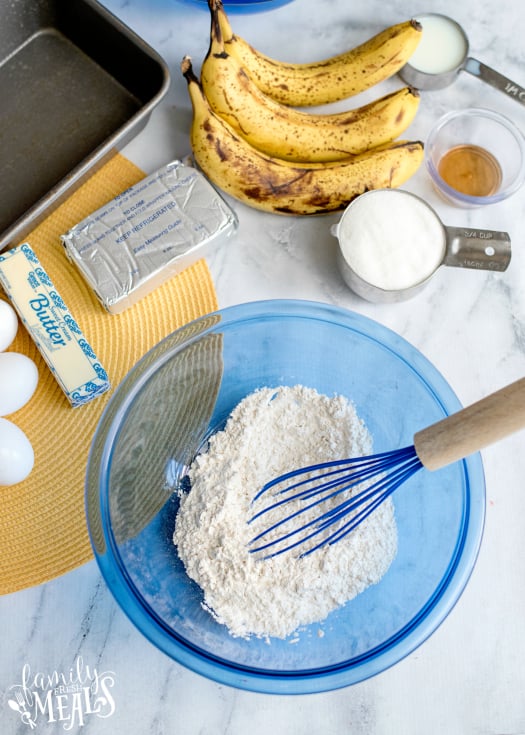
[(443, 52), (391, 243)]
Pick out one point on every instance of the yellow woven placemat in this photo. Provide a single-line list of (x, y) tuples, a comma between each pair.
[(43, 531)]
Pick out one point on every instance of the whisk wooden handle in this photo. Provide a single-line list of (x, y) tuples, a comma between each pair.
[(474, 427)]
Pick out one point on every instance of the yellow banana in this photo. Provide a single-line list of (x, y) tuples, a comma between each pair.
[(329, 80), (298, 136), (283, 187)]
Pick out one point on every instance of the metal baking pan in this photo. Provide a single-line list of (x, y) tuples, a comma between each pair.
[(76, 85)]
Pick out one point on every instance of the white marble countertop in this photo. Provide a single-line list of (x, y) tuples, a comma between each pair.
[(469, 677)]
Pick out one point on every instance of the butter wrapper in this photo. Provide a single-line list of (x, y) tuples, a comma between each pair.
[(51, 325), (148, 234)]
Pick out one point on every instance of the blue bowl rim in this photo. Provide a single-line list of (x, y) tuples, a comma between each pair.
[(242, 6), (310, 681)]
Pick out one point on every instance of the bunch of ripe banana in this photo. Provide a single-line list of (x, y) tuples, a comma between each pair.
[(249, 140)]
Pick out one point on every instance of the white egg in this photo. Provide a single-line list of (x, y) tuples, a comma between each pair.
[(16, 454), (18, 381), (8, 325)]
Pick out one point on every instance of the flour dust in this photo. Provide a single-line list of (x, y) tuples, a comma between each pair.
[(272, 431)]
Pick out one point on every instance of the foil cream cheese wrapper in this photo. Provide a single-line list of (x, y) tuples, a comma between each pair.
[(149, 233)]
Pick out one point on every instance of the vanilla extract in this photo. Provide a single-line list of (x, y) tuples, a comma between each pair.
[(471, 170)]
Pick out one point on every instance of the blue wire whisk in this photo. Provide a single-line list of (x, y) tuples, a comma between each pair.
[(345, 492)]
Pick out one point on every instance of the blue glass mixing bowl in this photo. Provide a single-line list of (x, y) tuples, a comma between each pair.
[(181, 392), (242, 6)]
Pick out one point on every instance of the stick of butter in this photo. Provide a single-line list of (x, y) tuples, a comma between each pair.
[(60, 340)]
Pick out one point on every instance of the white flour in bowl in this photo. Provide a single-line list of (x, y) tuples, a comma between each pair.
[(270, 432)]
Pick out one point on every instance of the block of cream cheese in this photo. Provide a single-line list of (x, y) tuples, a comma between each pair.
[(148, 234), (50, 324)]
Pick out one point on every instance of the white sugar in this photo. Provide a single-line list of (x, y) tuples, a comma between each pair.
[(391, 239)]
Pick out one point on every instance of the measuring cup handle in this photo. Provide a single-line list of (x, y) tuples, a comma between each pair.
[(495, 79), (480, 249)]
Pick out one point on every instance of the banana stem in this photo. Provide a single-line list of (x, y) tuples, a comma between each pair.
[(216, 37), (187, 70), (217, 9)]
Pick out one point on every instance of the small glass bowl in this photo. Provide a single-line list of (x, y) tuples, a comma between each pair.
[(498, 143)]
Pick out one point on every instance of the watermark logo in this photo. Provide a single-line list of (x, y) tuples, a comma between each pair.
[(68, 698)]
